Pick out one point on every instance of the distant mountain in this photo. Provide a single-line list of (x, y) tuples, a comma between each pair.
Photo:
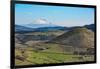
[(56, 28), (19, 28), (78, 37), (91, 27), (47, 27), (38, 25), (40, 22), (38, 28)]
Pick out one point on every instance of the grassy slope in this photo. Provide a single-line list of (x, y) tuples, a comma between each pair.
[(52, 55)]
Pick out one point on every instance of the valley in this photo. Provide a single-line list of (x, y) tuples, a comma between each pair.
[(49, 47)]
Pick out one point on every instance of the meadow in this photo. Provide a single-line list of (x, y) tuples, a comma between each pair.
[(47, 54)]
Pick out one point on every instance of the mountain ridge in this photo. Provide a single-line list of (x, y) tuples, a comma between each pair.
[(41, 28)]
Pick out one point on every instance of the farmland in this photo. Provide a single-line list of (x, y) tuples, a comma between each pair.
[(53, 54)]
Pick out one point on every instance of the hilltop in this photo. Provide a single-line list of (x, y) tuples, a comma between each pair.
[(78, 37)]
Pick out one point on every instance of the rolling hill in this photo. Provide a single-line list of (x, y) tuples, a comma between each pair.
[(19, 28), (79, 37), (91, 27)]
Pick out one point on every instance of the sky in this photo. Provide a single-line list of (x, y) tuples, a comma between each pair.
[(57, 15)]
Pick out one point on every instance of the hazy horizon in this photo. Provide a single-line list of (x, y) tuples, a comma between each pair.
[(56, 15)]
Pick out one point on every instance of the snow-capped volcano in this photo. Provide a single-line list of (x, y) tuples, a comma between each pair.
[(41, 22)]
